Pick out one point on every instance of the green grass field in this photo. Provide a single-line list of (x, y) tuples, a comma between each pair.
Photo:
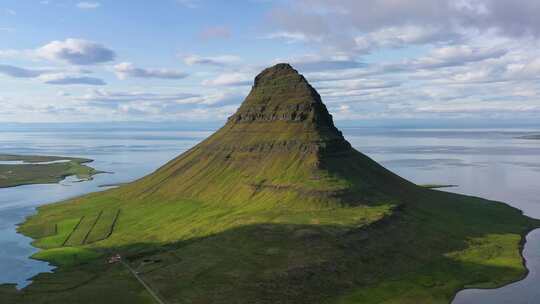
[(104, 227), (422, 252)]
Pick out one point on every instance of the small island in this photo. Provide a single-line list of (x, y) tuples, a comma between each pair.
[(17, 170)]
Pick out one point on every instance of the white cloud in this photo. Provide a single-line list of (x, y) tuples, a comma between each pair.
[(315, 63), (479, 108), (18, 72), (349, 25), (291, 37), (528, 69), (49, 76), (137, 104), (62, 94), (379, 58), (222, 99), (108, 97), (65, 79), (463, 53), (88, 5), (14, 54), (455, 56), (128, 70), (76, 51), (397, 37), (230, 79), (211, 60), (355, 85)]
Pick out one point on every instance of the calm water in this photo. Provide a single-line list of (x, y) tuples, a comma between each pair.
[(128, 155), (487, 163), (21, 162)]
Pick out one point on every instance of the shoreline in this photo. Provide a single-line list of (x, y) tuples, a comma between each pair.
[(522, 244), (58, 182)]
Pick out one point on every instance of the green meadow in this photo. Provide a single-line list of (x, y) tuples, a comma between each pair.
[(421, 251)]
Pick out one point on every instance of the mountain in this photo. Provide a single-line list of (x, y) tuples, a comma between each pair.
[(280, 146), (275, 207)]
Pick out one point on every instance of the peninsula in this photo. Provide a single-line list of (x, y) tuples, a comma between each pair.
[(17, 170)]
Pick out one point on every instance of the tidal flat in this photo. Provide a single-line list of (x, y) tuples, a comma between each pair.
[(18, 170)]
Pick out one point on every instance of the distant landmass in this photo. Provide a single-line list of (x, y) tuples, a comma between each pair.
[(532, 137), (274, 207), (437, 186), (17, 170)]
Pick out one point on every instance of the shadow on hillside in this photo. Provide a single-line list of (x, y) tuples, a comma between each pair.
[(285, 263)]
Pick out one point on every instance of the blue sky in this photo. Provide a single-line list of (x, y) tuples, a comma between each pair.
[(194, 60)]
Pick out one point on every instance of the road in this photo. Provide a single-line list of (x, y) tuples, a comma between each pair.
[(148, 288)]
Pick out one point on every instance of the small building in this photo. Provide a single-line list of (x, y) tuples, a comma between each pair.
[(114, 259)]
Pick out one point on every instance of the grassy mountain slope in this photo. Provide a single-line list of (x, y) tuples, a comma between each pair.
[(275, 207)]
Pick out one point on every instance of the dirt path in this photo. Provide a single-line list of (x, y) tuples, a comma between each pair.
[(148, 288)]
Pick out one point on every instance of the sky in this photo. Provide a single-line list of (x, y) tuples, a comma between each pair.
[(195, 60)]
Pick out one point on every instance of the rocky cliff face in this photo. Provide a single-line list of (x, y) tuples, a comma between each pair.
[(282, 100), (281, 93)]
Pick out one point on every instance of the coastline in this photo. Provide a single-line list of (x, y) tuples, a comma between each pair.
[(522, 244), (49, 173)]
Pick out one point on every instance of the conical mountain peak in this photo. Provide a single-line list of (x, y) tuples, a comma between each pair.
[(280, 147), (277, 71), (280, 93)]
